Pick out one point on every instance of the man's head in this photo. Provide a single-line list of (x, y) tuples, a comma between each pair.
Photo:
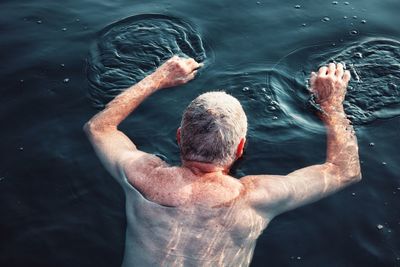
[(213, 129)]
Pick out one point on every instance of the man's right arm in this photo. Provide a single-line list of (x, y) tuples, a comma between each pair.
[(273, 194)]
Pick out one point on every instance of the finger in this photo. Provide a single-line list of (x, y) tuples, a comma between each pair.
[(339, 70), (331, 69), (323, 71), (191, 76), (193, 63), (313, 76), (346, 76)]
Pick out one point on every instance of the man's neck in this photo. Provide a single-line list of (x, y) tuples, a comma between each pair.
[(202, 168)]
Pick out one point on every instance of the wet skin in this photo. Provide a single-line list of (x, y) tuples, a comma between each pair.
[(194, 184)]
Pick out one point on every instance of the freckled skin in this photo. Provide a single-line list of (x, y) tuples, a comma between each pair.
[(196, 214)]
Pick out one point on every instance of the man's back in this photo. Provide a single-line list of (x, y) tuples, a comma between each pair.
[(212, 225)]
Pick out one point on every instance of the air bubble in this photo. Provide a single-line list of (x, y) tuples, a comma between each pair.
[(297, 6), (358, 55), (64, 29), (345, 17), (384, 163), (346, 3), (66, 80), (363, 21), (379, 226), (303, 25), (354, 32), (325, 19), (372, 144), (354, 17), (39, 22), (335, 2), (245, 89)]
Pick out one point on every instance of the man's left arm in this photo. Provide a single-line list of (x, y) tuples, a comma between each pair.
[(112, 146)]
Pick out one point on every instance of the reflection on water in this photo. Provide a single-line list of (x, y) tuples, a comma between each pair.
[(128, 50)]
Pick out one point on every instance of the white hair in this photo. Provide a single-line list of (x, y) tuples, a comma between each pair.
[(211, 129)]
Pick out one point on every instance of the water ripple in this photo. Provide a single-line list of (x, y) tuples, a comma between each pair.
[(128, 50)]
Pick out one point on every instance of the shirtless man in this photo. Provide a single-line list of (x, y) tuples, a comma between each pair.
[(196, 214)]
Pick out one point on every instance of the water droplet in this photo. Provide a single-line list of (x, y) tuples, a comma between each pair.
[(372, 144), (66, 80), (64, 29), (363, 21), (358, 55), (245, 89), (297, 6), (354, 32), (379, 226), (39, 22), (346, 3), (325, 19), (335, 2)]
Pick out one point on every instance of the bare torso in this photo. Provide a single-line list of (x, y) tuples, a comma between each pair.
[(187, 220)]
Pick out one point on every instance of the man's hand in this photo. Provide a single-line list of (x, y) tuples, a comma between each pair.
[(329, 85), (175, 71)]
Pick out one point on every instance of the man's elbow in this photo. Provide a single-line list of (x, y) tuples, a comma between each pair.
[(93, 129), (353, 173)]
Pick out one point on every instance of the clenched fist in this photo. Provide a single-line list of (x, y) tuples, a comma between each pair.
[(176, 71), (330, 85)]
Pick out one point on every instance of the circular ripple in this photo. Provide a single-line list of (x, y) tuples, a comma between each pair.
[(374, 90), (128, 50)]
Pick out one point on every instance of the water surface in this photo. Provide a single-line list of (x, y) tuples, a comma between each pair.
[(59, 207)]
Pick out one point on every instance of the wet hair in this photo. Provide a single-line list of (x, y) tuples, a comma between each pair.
[(211, 128)]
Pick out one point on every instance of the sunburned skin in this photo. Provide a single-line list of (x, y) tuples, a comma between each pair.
[(196, 214)]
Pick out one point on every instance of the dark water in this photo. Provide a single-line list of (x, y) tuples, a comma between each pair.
[(61, 61)]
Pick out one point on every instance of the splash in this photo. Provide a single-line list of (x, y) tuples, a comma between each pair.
[(128, 50)]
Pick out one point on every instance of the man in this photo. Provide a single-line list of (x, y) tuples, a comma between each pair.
[(196, 214)]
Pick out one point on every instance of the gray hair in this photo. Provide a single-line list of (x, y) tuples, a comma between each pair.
[(211, 128)]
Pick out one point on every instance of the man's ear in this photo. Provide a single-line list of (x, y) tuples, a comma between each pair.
[(240, 147), (178, 136)]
